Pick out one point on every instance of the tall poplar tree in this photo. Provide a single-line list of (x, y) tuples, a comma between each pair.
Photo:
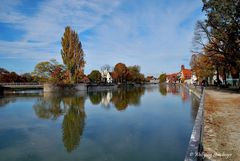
[(72, 54)]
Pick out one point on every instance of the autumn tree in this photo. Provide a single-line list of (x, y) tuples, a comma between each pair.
[(134, 75), (43, 71), (218, 36), (202, 66), (50, 71), (114, 76), (222, 28), (121, 71), (27, 77), (72, 54), (7, 77)]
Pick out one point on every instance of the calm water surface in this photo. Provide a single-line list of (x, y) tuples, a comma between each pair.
[(153, 123)]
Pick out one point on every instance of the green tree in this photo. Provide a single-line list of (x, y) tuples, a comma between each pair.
[(72, 54), (49, 71), (43, 71), (162, 78), (95, 76)]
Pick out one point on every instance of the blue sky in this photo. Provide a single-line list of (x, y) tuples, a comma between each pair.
[(155, 34)]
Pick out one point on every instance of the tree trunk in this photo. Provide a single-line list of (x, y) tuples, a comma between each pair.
[(218, 80), (224, 75)]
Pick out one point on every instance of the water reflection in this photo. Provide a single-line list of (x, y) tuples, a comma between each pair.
[(48, 108), (120, 98), (6, 100), (51, 106), (194, 107), (70, 108), (73, 122), (164, 90), (95, 97)]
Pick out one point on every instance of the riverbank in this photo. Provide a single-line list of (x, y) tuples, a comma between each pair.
[(221, 130), (221, 125)]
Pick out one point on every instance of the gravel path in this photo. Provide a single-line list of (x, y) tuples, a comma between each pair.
[(222, 126)]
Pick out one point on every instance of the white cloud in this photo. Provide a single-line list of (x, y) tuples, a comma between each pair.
[(163, 47), (147, 34), (44, 29)]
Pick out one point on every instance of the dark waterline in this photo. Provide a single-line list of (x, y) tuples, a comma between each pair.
[(132, 124)]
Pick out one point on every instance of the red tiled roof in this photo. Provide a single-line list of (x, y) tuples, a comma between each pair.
[(187, 73)]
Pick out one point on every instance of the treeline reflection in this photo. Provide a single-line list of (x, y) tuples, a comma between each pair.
[(120, 98), (164, 90), (72, 106)]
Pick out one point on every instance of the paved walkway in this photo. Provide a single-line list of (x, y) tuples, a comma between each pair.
[(222, 126)]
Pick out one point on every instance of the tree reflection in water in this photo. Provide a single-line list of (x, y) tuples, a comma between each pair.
[(103, 97), (195, 105), (6, 100), (73, 122), (120, 98), (48, 108), (52, 106), (127, 96), (173, 89), (163, 89), (95, 97)]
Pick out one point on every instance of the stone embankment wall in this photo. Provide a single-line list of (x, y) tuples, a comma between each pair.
[(77, 87), (59, 88)]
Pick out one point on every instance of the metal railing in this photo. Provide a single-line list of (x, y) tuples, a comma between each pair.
[(21, 83), (195, 147)]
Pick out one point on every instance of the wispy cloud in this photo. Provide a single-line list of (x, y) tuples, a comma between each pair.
[(44, 29), (148, 33)]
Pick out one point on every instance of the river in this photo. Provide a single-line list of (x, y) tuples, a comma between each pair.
[(150, 123)]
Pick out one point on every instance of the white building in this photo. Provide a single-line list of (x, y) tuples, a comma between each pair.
[(193, 79), (154, 81), (106, 75)]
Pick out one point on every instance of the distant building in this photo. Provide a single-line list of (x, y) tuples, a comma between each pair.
[(106, 76), (194, 78), (185, 75), (172, 78), (152, 79)]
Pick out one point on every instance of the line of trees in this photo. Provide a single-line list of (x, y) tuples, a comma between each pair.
[(120, 74), (217, 40), (9, 77), (72, 69)]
